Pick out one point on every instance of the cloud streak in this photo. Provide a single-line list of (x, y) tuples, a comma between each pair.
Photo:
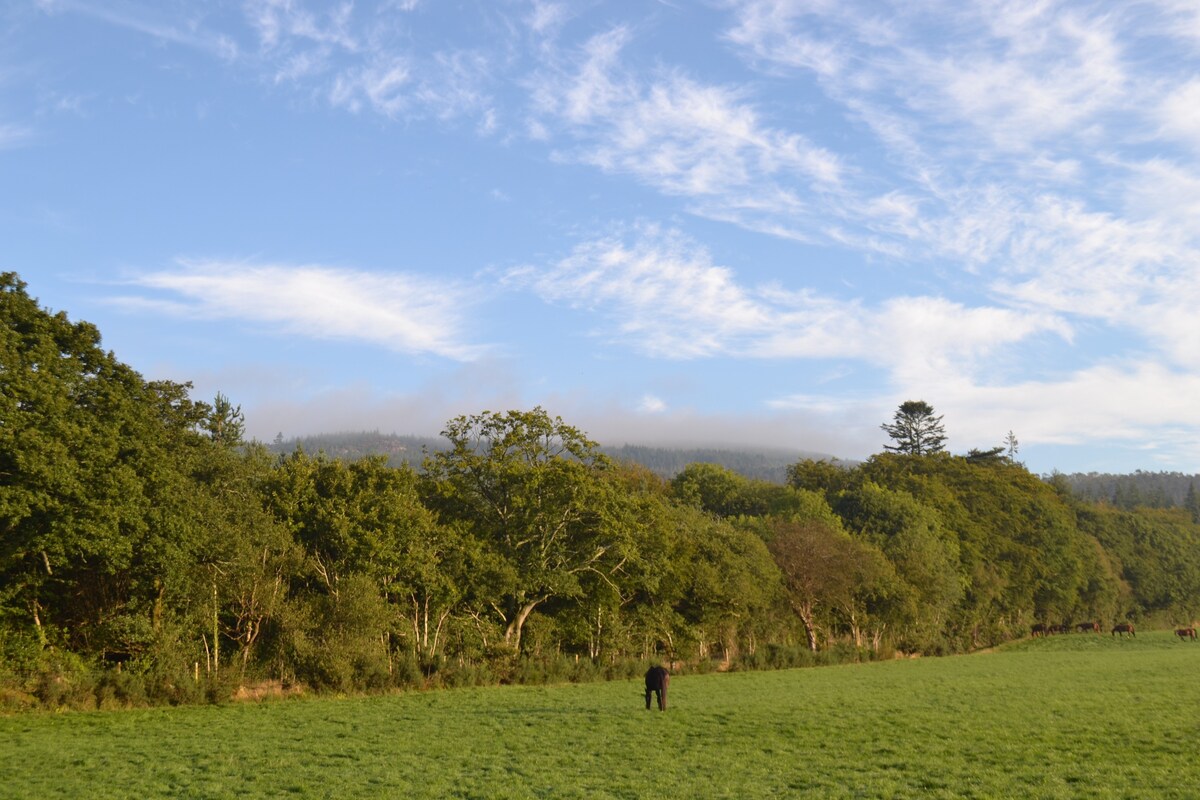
[(406, 313), (663, 295)]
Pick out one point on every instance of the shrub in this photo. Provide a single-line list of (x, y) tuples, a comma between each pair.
[(63, 680), (120, 689)]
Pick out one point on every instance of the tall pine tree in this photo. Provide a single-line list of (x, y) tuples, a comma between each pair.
[(915, 430)]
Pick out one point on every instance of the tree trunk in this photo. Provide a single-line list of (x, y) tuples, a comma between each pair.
[(157, 613), (37, 622), (216, 630), (810, 626), (512, 634)]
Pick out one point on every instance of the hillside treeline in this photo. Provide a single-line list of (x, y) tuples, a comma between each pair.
[(149, 554), (1148, 489), (663, 461)]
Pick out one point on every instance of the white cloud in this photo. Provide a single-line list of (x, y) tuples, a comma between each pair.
[(779, 32), (13, 135), (547, 17), (686, 138), (1077, 409), (1015, 135), (662, 295), (651, 404), (665, 297), (1095, 401), (1179, 114), (150, 22), (402, 312), (278, 22), (380, 86), (1048, 78), (354, 59)]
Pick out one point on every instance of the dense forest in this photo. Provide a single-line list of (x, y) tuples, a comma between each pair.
[(1149, 489), (149, 554)]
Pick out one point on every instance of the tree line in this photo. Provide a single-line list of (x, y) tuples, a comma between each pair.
[(148, 553), (769, 465)]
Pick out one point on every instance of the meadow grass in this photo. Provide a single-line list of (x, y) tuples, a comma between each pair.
[(1064, 717)]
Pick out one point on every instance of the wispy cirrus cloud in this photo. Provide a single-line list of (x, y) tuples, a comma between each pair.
[(355, 58), (153, 22), (660, 292), (406, 313), (703, 142), (1016, 135), (12, 135), (364, 61)]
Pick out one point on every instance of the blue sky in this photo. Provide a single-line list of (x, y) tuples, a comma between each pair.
[(739, 222)]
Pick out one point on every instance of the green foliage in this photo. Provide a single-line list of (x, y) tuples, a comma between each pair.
[(819, 476), (149, 555), (225, 423), (536, 495), (924, 555), (716, 490)]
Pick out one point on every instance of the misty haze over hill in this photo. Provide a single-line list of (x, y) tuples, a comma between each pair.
[(752, 462), (1152, 489)]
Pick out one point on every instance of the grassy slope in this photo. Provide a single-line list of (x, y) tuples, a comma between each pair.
[(1070, 716)]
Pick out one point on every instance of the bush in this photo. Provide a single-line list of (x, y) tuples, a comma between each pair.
[(64, 681), (16, 700), (468, 674), (120, 689), (20, 654), (776, 656)]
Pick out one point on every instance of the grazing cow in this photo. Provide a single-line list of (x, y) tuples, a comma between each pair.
[(1086, 627), (1037, 630), (1123, 629), (1058, 628), (1186, 633), (657, 679)]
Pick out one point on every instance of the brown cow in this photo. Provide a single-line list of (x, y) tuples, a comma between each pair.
[(1124, 628), (1186, 633)]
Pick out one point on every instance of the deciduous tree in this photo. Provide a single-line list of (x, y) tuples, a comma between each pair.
[(536, 494)]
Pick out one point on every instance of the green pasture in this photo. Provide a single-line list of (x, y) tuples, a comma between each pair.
[(1069, 716)]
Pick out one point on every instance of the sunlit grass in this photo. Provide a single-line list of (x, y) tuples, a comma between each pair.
[(1070, 716)]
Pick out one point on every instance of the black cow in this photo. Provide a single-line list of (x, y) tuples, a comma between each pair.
[(657, 679)]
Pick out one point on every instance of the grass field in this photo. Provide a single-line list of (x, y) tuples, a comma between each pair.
[(1069, 716)]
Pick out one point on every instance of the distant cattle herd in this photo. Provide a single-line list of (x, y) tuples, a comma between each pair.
[(1121, 629)]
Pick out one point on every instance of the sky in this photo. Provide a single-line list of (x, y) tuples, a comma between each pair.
[(730, 223)]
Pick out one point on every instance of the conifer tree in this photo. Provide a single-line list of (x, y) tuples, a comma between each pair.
[(915, 430)]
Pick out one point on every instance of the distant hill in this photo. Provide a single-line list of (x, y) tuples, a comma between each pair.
[(1152, 489), (759, 463), (351, 446)]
